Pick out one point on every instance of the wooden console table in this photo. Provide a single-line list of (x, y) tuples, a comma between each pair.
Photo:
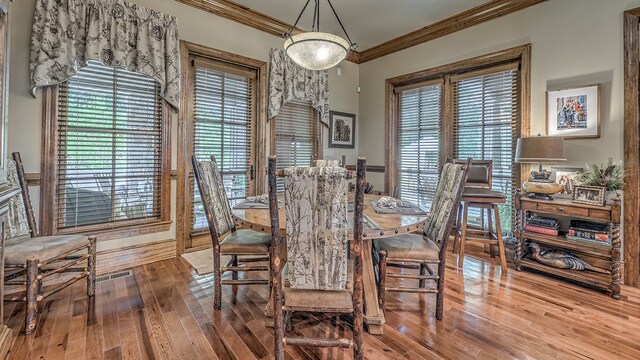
[(604, 256)]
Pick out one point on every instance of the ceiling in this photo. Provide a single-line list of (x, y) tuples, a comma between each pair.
[(368, 22)]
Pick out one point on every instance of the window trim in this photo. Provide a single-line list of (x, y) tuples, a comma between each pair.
[(520, 54), (185, 240), (49, 180)]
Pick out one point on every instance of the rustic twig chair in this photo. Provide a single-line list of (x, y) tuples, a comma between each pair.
[(414, 251), (478, 194), (30, 258), (318, 276), (226, 240)]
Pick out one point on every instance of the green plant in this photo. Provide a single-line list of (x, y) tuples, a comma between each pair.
[(611, 176)]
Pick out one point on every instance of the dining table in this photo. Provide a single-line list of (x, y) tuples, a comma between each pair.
[(376, 225)]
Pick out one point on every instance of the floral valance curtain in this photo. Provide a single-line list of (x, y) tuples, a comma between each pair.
[(288, 81), (68, 33)]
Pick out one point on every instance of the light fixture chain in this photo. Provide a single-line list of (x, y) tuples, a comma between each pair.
[(342, 26), (298, 19)]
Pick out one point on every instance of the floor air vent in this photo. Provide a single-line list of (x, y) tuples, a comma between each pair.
[(113, 276)]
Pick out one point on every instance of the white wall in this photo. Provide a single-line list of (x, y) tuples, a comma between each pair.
[(574, 42), (197, 26)]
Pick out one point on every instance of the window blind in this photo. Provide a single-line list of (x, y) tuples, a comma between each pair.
[(223, 112), (109, 157), (487, 125), (295, 136), (417, 140)]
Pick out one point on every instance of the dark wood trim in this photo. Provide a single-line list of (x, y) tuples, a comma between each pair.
[(477, 15), (370, 168), (185, 171), (48, 180), (461, 21), (520, 54), (632, 147)]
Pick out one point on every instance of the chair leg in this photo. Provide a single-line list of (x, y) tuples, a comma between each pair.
[(492, 248), (456, 235), (382, 275), (217, 288), (503, 257), (440, 284), (91, 267), (423, 271), (234, 263), (31, 313), (463, 235)]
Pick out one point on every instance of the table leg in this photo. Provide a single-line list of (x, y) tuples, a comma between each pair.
[(373, 315)]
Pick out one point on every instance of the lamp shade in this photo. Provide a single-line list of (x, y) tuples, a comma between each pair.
[(540, 149), (316, 50)]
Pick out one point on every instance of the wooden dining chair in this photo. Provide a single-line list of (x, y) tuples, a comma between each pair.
[(252, 245), (318, 275), (415, 251), (30, 258)]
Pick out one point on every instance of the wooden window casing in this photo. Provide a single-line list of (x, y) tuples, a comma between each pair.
[(452, 79), (106, 155), (222, 115)]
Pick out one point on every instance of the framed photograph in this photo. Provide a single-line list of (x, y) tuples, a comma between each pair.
[(574, 113), (342, 130), (566, 177), (592, 195)]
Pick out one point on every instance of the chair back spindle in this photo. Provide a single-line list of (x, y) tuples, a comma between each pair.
[(21, 220)]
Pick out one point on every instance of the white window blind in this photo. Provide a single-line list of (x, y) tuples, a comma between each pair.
[(417, 142), (223, 113), (109, 151), (486, 126), (295, 136)]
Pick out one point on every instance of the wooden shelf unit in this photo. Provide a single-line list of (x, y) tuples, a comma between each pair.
[(605, 256)]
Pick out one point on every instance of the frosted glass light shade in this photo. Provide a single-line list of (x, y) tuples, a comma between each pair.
[(316, 50)]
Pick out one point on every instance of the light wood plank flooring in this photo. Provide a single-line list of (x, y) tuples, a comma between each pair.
[(165, 311)]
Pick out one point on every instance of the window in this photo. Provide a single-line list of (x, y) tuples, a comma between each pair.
[(417, 139), (110, 151), (223, 118), (469, 109), (296, 136), (220, 116), (486, 121)]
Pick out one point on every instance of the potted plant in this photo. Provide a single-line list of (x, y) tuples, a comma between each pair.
[(610, 176)]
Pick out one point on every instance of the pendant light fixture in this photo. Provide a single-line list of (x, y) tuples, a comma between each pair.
[(317, 50)]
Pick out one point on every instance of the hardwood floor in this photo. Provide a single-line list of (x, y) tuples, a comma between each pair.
[(165, 311)]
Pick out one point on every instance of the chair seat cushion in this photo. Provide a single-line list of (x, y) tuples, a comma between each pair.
[(246, 242), (408, 246), (318, 300), (476, 192), (18, 249)]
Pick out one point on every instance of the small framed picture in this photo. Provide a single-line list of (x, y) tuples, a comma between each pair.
[(574, 113), (566, 178), (592, 195), (342, 130)]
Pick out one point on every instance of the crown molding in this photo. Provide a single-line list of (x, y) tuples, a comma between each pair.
[(477, 15), (463, 20)]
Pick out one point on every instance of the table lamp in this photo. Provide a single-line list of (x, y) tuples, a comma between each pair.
[(540, 149)]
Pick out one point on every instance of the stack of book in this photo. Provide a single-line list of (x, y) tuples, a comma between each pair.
[(592, 232), (542, 225)]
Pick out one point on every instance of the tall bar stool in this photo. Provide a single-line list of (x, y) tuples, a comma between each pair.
[(478, 194)]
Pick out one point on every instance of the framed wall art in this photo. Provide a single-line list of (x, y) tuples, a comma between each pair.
[(574, 113), (342, 130)]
